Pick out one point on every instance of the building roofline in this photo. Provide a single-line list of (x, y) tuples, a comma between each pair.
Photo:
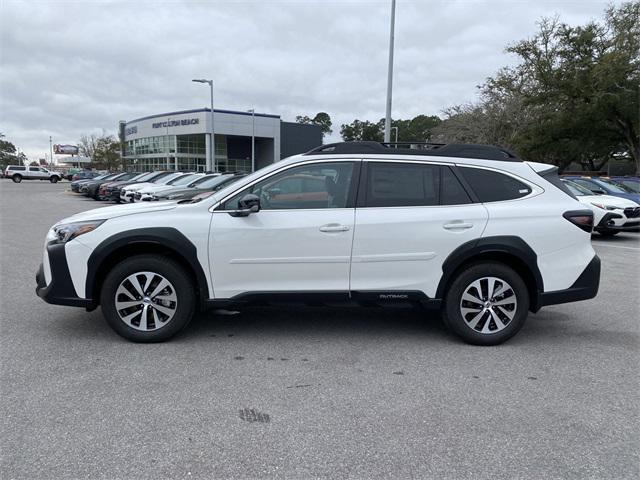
[(198, 110)]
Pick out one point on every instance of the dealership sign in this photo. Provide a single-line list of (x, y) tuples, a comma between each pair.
[(176, 123), (131, 130), (65, 149)]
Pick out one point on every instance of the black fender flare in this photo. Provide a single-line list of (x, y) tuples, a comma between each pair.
[(497, 245), (166, 237)]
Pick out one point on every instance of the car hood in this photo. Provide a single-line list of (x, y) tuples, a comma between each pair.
[(634, 197), (609, 200), (119, 183), (138, 186), (176, 191), (156, 188), (106, 213)]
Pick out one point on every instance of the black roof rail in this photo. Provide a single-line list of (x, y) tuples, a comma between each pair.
[(463, 150)]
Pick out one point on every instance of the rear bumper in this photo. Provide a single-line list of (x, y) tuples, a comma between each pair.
[(60, 290), (584, 288)]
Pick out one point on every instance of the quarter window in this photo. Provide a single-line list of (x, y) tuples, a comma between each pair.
[(318, 185), (492, 186)]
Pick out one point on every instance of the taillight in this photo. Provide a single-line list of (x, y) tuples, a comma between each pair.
[(583, 219)]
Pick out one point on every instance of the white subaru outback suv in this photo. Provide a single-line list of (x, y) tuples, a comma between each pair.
[(471, 230)]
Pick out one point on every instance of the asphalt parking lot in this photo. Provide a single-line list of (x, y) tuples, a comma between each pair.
[(311, 392)]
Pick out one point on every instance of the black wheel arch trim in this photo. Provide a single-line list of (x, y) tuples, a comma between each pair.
[(165, 237), (513, 246)]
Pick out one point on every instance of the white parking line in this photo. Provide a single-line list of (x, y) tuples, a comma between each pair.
[(614, 246)]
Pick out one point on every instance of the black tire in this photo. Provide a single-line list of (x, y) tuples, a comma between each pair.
[(181, 283), (608, 233), (16, 178), (453, 316), (53, 179)]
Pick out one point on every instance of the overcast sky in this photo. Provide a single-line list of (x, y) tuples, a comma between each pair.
[(73, 67)]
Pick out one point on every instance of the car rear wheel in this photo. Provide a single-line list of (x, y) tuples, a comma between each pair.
[(148, 298), (16, 178), (486, 304), (53, 179)]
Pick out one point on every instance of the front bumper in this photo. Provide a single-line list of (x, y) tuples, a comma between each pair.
[(60, 290), (617, 222), (584, 288)]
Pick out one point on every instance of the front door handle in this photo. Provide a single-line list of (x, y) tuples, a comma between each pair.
[(334, 227), (457, 226)]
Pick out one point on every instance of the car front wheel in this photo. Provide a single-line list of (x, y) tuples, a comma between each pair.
[(53, 179), (148, 298), (486, 304), (17, 178)]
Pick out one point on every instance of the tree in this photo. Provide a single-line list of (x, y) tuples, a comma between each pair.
[(572, 97), (87, 144), (362, 130), (322, 119), (104, 150), (106, 154), (7, 152), (418, 129)]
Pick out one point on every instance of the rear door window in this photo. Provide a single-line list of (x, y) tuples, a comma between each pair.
[(396, 184)]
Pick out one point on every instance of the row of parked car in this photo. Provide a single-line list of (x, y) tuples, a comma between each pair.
[(615, 201), (130, 187)]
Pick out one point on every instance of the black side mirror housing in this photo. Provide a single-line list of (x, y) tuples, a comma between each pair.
[(247, 205)]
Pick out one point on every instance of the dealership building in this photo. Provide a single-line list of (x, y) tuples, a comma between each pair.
[(182, 141)]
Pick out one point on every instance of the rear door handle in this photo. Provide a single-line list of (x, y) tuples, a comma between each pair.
[(457, 226), (334, 227)]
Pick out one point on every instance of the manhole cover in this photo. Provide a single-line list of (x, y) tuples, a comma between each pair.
[(253, 415)]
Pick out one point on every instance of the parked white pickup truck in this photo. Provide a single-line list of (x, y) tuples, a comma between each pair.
[(17, 173)]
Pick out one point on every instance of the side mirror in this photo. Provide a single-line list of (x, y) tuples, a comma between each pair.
[(247, 205)]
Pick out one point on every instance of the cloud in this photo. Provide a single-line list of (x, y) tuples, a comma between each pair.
[(73, 67)]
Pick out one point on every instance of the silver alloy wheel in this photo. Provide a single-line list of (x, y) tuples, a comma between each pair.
[(488, 305), (146, 301)]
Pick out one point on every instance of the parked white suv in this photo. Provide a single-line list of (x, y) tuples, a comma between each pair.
[(611, 215), (17, 173), (470, 230)]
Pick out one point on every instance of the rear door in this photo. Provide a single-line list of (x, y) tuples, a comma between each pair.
[(410, 216), (34, 172)]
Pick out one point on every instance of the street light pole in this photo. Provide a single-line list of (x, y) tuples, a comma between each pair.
[(253, 139), (387, 122), (212, 158), (51, 149), (396, 129), (166, 142)]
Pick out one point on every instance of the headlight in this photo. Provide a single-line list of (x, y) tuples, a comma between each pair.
[(604, 207), (175, 197), (68, 231)]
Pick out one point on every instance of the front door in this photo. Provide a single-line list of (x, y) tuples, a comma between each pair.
[(300, 240)]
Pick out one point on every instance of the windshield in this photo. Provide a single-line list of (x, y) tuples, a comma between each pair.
[(609, 186), (614, 183), (577, 190), (166, 179), (200, 183), (143, 177), (120, 176), (184, 179), (632, 185)]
